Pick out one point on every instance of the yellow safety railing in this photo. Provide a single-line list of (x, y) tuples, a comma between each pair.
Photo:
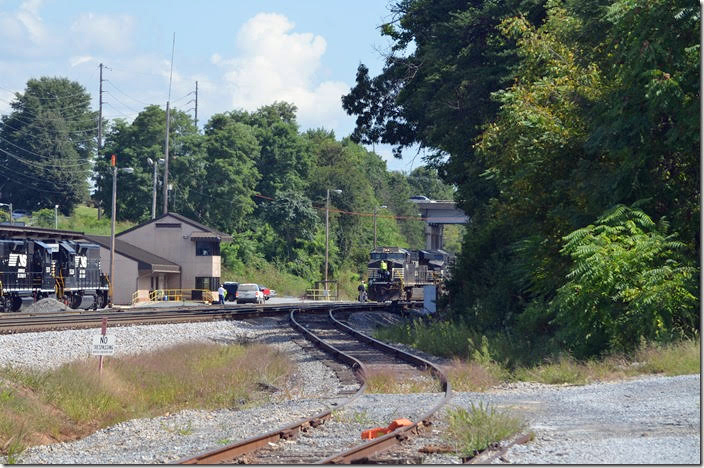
[(320, 295), (157, 295)]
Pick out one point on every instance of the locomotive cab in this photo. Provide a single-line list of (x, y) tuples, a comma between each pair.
[(44, 267), (15, 277)]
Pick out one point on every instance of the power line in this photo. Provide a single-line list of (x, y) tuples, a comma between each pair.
[(39, 165), (34, 180), (127, 95), (118, 100), (46, 97), (32, 135)]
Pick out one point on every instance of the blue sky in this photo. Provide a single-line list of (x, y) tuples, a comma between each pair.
[(244, 54)]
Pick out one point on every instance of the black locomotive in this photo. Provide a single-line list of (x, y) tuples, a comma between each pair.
[(64, 269), (395, 273)]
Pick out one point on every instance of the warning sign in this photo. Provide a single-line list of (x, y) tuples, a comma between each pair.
[(103, 345)]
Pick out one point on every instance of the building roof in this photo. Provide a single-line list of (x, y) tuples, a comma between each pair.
[(16, 231), (212, 233), (146, 260)]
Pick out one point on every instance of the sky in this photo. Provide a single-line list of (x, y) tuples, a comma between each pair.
[(243, 54)]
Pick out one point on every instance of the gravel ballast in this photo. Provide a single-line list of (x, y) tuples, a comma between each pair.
[(646, 420)]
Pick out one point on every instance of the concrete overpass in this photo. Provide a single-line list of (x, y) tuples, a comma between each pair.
[(437, 213)]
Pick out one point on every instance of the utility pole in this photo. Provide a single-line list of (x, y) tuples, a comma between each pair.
[(382, 206), (166, 149), (100, 121), (166, 163), (196, 105), (100, 112)]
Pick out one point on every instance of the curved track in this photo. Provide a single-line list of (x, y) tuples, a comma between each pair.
[(361, 354)]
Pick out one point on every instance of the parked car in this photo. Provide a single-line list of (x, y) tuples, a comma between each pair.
[(231, 290), (266, 291), (249, 292), (17, 214)]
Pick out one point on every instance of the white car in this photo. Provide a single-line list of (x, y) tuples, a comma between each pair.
[(249, 292)]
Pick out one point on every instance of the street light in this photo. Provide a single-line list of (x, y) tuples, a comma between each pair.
[(10, 206), (375, 208), (151, 163), (327, 236), (127, 170), (56, 216)]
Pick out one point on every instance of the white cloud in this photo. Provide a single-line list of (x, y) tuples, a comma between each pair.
[(110, 33), (275, 64), (22, 29), (78, 60)]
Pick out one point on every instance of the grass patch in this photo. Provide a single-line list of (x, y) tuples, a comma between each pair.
[(473, 430), (675, 359), (74, 400), (480, 362), (85, 219), (385, 381), (471, 376)]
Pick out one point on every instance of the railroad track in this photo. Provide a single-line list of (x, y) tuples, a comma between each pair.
[(362, 355), (23, 322)]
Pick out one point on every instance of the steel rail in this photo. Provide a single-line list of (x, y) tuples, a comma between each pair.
[(363, 452), (231, 451), (23, 322), (360, 453)]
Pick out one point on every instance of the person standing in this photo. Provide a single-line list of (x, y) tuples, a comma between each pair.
[(384, 271), (221, 293), (362, 289)]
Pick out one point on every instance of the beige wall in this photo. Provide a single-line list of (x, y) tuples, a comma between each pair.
[(174, 244), (126, 271)]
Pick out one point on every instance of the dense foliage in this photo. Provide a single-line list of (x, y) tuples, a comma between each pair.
[(46, 145), (547, 115)]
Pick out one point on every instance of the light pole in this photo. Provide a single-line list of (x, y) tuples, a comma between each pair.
[(56, 216), (152, 163), (9, 205), (327, 235), (127, 170), (375, 208)]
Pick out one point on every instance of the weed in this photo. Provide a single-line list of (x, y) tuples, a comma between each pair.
[(202, 376), (357, 417), (224, 441), (471, 431), (183, 431)]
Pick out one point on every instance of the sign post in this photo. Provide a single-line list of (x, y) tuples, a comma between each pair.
[(103, 345)]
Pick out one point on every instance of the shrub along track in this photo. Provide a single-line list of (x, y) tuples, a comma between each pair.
[(361, 354)]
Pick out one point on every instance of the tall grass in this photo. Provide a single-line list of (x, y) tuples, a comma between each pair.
[(476, 428), (480, 361), (385, 381), (74, 399)]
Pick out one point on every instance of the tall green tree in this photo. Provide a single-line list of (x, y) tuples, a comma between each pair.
[(46, 145), (221, 185), (134, 144)]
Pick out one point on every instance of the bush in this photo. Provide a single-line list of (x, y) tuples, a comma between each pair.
[(629, 283)]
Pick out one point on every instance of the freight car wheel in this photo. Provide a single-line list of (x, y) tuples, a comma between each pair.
[(16, 303), (102, 300), (75, 300), (3, 304)]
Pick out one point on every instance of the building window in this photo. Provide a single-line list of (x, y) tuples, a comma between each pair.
[(207, 248), (210, 283)]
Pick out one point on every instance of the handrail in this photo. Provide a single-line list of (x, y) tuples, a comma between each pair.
[(159, 295)]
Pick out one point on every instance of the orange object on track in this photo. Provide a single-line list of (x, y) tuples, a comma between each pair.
[(396, 423), (370, 434)]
